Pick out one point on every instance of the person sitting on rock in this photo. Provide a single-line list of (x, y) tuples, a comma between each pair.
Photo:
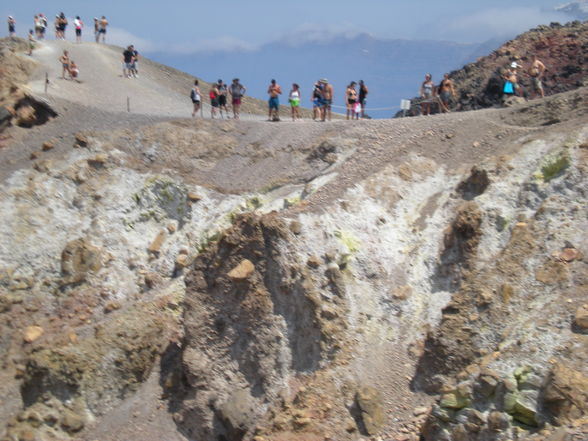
[(74, 70)]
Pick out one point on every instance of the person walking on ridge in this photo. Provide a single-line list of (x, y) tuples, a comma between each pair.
[(31, 42), (237, 91), (536, 71), (317, 101), (328, 95), (222, 98), (294, 98), (274, 91), (427, 93), (195, 96), (363, 93), (102, 25), (11, 26), (135, 62), (213, 95), (78, 24), (351, 100), (127, 62), (446, 90)]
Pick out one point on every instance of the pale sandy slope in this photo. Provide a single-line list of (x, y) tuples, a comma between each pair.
[(159, 90)]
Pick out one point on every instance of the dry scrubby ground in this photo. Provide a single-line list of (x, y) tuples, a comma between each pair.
[(171, 307)]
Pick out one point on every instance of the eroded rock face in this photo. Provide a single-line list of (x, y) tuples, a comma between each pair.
[(249, 311)]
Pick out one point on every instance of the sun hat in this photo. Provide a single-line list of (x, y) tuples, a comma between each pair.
[(514, 64), (324, 80)]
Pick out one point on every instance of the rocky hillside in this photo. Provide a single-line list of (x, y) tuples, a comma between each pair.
[(562, 48), (422, 278)]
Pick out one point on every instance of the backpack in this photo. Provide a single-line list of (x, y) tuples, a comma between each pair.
[(194, 96)]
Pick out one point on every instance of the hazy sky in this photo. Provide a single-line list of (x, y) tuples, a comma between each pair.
[(189, 25)]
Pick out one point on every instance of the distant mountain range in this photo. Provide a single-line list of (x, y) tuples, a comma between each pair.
[(577, 10), (392, 69)]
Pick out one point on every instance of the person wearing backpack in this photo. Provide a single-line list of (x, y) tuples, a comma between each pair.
[(214, 104), (195, 97)]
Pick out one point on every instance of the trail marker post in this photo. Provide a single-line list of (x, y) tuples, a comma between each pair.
[(129, 104)]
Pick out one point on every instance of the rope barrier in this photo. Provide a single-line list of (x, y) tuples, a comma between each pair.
[(369, 108)]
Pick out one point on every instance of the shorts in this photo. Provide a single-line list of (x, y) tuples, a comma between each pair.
[(274, 103), (222, 100), (78, 32), (351, 102), (295, 102), (537, 84), (236, 101), (196, 102), (318, 102), (11, 29), (65, 66), (214, 102), (327, 103), (102, 31), (61, 28), (445, 96), (129, 66)]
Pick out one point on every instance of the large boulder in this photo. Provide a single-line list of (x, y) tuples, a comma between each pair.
[(78, 259)]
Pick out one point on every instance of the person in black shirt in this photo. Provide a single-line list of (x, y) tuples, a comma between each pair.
[(127, 62)]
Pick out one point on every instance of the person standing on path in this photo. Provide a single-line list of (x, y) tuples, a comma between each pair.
[(11, 26), (78, 24), (195, 96), (62, 25), (328, 95), (65, 62), (43, 23), (274, 91), (427, 93), (294, 98), (536, 71), (127, 62), (102, 25), (363, 93), (31, 42), (222, 98), (317, 101), (135, 63), (350, 99), (237, 91), (446, 90), (213, 95)]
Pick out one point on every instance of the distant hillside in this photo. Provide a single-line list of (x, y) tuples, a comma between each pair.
[(578, 10), (562, 48), (392, 69)]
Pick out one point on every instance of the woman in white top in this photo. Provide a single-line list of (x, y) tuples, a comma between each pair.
[(294, 99), (78, 24)]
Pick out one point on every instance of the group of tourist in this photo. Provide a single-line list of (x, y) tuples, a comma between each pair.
[(535, 71), (441, 94), (41, 23), (218, 96)]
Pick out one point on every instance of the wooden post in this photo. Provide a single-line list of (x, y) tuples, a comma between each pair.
[(128, 104), (46, 81)]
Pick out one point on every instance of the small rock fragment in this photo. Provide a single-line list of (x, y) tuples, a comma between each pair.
[(194, 197), (157, 243), (242, 271), (581, 317), (48, 145), (32, 333)]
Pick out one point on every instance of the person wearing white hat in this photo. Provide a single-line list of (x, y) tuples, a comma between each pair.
[(11, 26)]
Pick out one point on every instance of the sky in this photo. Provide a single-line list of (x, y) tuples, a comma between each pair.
[(189, 26)]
